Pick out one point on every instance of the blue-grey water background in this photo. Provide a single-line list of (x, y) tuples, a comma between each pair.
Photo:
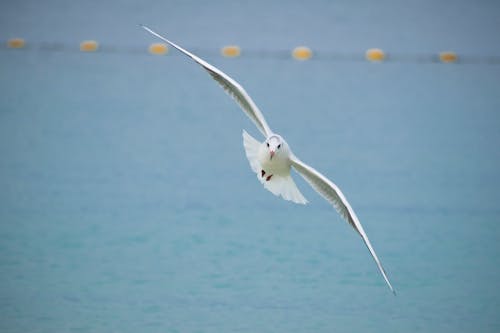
[(127, 203)]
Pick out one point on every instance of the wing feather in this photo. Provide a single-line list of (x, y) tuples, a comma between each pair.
[(233, 88), (334, 196)]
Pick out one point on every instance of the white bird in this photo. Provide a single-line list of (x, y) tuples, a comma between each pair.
[(273, 159)]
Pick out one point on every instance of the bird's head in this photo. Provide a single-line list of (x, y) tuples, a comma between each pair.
[(276, 146)]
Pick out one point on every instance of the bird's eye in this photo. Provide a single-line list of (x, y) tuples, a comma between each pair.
[(267, 144), (279, 146)]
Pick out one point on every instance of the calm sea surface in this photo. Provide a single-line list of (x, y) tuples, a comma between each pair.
[(127, 203)]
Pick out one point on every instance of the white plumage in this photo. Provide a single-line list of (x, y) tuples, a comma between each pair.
[(273, 159)]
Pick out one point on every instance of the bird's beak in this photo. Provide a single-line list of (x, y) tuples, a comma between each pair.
[(271, 152)]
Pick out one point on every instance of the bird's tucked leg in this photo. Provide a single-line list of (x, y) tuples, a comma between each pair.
[(263, 173)]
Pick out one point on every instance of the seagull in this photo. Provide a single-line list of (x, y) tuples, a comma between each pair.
[(273, 159)]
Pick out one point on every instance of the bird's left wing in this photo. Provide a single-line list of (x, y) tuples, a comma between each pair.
[(333, 195), (233, 88)]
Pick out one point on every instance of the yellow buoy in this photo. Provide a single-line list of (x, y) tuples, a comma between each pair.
[(448, 56), (302, 53), (16, 43), (376, 55), (231, 51), (158, 48), (89, 46)]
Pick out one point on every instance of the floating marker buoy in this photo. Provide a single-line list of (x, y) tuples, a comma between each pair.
[(89, 46), (448, 56), (375, 55), (231, 51), (158, 48), (302, 53), (16, 43)]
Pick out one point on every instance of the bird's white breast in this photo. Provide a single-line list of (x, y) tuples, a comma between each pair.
[(280, 164)]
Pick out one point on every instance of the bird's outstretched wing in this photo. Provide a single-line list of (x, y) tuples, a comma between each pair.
[(232, 87), (333, 195)]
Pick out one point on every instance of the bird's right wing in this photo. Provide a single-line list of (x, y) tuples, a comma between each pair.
[(233, 88), (334, 196)]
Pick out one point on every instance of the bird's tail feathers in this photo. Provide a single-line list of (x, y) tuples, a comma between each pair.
[(285, 187), (252, 151)]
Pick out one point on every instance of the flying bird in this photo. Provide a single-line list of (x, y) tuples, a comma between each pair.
[(272, 159)]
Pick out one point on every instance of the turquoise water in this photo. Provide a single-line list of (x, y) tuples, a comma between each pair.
[(128, 205)]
